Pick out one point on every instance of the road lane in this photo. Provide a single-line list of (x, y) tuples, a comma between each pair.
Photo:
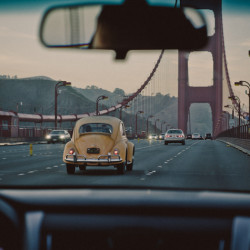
[(198, 164)]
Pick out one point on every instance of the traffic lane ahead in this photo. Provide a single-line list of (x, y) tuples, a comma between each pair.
[(46, 167), (198, 164), (205, 165), (15, 161)]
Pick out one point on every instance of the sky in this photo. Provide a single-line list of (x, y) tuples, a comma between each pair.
[(22, 54)]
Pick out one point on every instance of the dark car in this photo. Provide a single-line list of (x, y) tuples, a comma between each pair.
[(208, 136), (58, 136), (189, 136)]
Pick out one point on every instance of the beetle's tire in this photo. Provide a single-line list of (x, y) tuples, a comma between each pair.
[(82, 168), (121, 168), (129, 167), (70, 168), (183, 143)]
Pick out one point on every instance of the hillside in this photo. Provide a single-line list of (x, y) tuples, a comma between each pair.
[(37, 95)]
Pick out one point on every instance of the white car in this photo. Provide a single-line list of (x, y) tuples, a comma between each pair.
[(174, 136), (154, 136), (196, 136), (58, 136)]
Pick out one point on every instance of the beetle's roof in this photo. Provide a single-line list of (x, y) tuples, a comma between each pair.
[(99, 119), (113, 121)]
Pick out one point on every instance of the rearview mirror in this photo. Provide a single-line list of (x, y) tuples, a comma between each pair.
[(134, 25)]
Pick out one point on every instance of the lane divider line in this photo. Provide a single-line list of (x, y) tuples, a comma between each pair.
[(150, 173)]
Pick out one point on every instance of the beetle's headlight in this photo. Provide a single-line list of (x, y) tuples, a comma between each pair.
[(62, 136), (48, 136)]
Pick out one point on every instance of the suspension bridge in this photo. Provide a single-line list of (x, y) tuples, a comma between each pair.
[(220, 95)]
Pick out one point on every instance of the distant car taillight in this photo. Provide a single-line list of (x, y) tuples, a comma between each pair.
[(71, 151), (116, 151)]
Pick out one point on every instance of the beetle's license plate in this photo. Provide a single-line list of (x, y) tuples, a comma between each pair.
[(93, 150)]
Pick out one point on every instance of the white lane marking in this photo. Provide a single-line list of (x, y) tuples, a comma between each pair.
[(55, 166), (32, 171), (21, 174), (142, 179), (150, 173), (159, 166), (147, 147), (63, 164), (4, 158), (48, 168)]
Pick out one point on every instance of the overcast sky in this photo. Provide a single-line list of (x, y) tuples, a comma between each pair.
[(22, 54)]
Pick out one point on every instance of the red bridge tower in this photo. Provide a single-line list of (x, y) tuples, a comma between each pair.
[(211, 94)]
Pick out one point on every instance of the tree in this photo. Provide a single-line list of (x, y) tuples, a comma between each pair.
[(119, 91)]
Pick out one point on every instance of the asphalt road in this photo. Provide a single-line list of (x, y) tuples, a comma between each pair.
[(196, 165)]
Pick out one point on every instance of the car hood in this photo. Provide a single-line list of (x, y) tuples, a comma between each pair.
[(104, 142)]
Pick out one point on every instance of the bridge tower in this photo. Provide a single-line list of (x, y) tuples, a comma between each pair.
[(211, 94)]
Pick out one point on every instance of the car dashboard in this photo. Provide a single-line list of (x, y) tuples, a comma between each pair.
[(49, 219)]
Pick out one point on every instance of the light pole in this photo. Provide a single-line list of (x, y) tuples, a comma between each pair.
[(227, 115), (58, 85), (246, 84), (147, 122), (138, 112), (17, 106), (126, 106), (231, 107), (155, 124), (167, 126), (162, 124), (236, 98), (101, 97)]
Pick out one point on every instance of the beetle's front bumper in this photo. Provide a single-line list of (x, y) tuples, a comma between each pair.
[(100, 160)]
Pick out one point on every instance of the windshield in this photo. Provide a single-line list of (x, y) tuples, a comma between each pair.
[(150, 93), (96, 128), (57, 132), (174, 131)]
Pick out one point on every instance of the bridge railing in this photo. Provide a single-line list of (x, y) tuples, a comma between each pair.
[(26, 132), (242, 132)]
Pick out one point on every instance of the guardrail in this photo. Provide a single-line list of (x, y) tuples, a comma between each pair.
[(242, 132)]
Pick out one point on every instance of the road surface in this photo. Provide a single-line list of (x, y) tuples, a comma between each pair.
[(196, 165)]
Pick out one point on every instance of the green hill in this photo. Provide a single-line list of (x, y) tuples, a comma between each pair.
[(37, 95)]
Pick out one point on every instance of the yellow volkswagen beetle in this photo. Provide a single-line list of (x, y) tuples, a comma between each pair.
[(99, 141)]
